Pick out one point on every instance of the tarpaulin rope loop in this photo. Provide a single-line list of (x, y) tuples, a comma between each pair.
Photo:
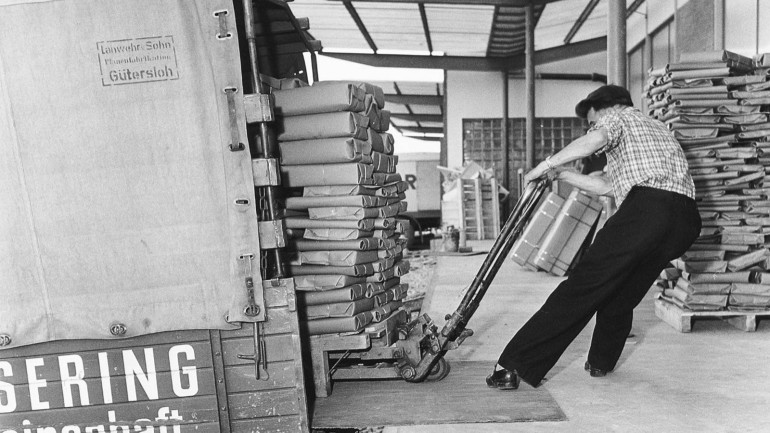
[(224, 32), (235, 136)]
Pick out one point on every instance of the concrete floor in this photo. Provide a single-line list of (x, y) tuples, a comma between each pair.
[(715, 379)]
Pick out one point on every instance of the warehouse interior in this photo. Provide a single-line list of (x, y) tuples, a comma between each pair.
[(280, 216)]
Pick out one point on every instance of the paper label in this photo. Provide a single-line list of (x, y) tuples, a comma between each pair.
[(141, 60)]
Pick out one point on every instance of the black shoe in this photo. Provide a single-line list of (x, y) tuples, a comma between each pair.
[(503, 379), (595, 372)]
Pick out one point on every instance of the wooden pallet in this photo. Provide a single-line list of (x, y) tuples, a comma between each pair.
[(377, 337), (681, 319), (321, 345)]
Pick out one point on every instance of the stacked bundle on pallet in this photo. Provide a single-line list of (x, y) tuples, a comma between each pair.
[(716, 105), (342, 222)]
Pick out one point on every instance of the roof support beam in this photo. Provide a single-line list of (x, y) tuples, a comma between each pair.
[(418, 117), (458, 63), (423, 129), (361, 27), (424, 62), (425, 27), (413, 99), (424, 138), (633, 7), (590, 46), (507, 3), (561, 76), (587, 12), (581, 20), (494, 28), (408, 108)]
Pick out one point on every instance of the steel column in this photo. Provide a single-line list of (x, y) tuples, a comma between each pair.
[(719, 24), (504, 130), (617, 56), (616, 43), (443, 155), (529, 77), (647, 51)]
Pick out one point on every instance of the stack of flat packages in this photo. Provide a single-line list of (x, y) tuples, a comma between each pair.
[(716, 104), (342, 218), (527, 245), (557, 231)]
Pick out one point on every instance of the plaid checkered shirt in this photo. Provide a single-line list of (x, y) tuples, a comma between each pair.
[(642, 151)]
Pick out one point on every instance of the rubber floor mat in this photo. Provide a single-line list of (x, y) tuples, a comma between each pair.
[(462, 397)]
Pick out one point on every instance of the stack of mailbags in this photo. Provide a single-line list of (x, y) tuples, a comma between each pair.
[(344, 237), (717, 107)]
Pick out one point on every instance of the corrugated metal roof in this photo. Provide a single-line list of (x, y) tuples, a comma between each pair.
[(556, 21), (451, 29), (595, 25), (331, 24), (393, 26), (460, 30), (486, 30)]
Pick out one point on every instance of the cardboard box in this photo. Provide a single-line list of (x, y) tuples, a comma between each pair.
[(568, 232), (527, 246)]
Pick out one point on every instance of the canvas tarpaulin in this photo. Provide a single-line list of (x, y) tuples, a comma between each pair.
[(121, 202)]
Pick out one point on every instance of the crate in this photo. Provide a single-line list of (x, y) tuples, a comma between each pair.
[(527, 245), (568, 233)]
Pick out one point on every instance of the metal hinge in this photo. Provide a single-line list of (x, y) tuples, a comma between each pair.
[(258, 107), (291, 301), (265, 172), (271, 234)]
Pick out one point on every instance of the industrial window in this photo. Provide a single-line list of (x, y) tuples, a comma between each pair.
[(745, 29), (483, 143), (636, 75), (663, 45)]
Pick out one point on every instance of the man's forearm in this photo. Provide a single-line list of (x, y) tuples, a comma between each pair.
[(581, 147), (577, 149), (598, 185)]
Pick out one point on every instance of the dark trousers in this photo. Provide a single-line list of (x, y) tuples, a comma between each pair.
[(651, 228)]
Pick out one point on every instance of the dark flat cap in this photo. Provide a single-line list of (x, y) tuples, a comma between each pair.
[(603, 97)]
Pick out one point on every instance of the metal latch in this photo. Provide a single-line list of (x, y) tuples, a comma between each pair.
[(260, 354), (251, 309), (265, 172), (271, 234), (258, 107)]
